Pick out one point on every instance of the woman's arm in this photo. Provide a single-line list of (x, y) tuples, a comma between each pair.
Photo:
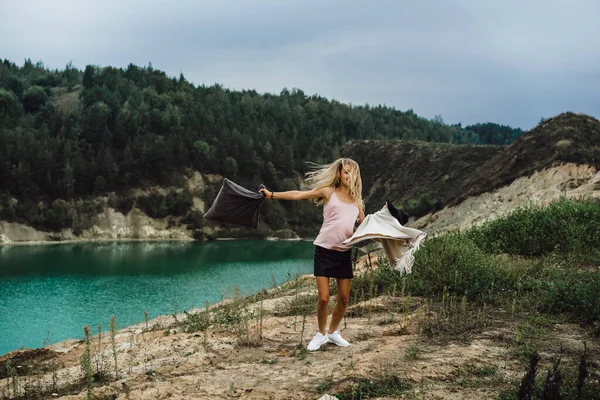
[(317, 193)]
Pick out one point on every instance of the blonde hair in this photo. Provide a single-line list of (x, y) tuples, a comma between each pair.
[(329, 175)]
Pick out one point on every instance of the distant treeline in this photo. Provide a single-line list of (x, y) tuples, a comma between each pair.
[(490, 133), (71, 133)]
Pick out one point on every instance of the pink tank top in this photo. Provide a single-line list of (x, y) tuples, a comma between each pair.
[(338, 224)]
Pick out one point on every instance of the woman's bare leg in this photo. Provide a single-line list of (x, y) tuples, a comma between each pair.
[(322, 302), (341, 303)]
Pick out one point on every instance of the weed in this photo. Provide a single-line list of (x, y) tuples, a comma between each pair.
[(385, 385), (298, 305), (324, 384), (113, 331), (86, 363), (195, 322), (412, 352), (11, 372), (300, 352)]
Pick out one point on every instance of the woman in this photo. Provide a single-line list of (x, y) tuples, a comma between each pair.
[(338, 186)]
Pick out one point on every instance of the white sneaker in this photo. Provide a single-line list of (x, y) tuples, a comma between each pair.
[(317, 341), (336, 338)]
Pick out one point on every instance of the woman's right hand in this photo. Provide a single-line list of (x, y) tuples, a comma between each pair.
[(265, 192)]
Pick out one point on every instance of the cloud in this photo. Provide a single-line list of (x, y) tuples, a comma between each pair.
[(509, 61)]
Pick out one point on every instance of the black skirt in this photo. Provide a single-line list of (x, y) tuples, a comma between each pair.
[(333, 263)]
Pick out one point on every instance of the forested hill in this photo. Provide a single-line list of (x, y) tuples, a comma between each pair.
[(68, 134)]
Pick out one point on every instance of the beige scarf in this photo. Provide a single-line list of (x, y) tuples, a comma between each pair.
[(399, 242)]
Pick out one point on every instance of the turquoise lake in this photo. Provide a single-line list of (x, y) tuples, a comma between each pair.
[(50, 292)]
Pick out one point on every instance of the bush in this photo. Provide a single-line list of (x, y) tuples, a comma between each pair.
[(121, 204), (198, 235), (7, 208), (571, 291), (453, 261), (58, 216), (194, 219), (178, 202), (125, 204), (153, 205), (34, 98), (11, 109), (565, 226)]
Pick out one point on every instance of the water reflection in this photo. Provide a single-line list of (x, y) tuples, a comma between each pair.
[(125, 258)]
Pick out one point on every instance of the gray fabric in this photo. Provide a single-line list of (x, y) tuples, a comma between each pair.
[(236, 205)]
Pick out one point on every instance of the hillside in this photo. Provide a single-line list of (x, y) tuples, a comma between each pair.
[(418, 175), (426, 177), (566, 138)]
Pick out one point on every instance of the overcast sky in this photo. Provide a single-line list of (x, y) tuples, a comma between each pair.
[(506, 61)]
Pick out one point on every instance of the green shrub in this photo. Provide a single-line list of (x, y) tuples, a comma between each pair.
[(376, 282), (453, 261), (194, 219), (124, 205), (58, 216), (381, 386), (564, 226), (425, 203), (34, 98), (178, 202), (576, 292), (153, 205)]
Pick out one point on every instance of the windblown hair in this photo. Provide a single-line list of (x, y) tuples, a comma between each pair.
[(329, 175)]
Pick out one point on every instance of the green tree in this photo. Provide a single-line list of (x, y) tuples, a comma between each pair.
[(68, 179), (201, 155), (34, 98), (88, 77), (71, 75), (16, 85), (96, 123), (58, 216), (230, 168), (99, 184), (11, 109), (178, 202)]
